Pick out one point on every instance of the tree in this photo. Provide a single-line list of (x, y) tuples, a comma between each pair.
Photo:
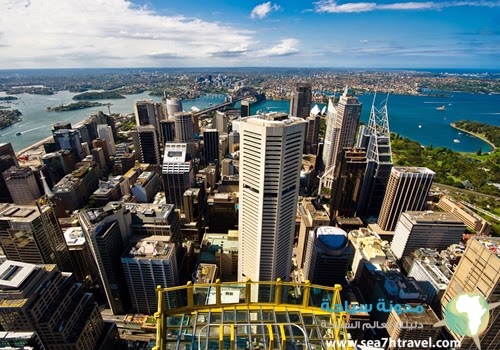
[(479, 151)]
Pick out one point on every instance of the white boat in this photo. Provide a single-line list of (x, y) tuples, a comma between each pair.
[(420, 126), (456, 141)]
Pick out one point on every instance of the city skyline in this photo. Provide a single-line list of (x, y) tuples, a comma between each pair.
[(326, 33)]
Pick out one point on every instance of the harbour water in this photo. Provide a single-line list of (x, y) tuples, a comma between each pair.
[(415, 117)]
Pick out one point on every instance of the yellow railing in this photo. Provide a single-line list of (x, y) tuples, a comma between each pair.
[(199, 297)]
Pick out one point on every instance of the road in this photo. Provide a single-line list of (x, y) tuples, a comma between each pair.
[(481, 210), (464, 191)]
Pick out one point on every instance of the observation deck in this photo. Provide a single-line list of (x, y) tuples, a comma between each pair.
[(250, 315)]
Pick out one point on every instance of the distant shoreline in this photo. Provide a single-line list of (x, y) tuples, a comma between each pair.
[(481, 137)]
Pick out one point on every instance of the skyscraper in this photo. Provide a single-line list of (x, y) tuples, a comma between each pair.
[(346, 188), (407, 190), (417, 229), (342, 121), (22, 185), (7, 159), (211, 145), (32, 234), (105, 132), (173, 105), (40, 298), (147, 263), (312, 133), (148, 112), (107, 231), (69, 139), (184, 132), (477, 272), (300, 102), (146, 145), (270, 162), (167, 130), (178, 173), (328, 255), (376, 139)]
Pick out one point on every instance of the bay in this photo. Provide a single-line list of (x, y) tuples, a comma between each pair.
[(415, 117)]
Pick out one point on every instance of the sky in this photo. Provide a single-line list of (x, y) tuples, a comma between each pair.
[(247, 33)]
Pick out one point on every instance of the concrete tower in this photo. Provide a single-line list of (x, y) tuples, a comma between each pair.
[(105, 132), (270, 162), (184, 132), (300, 102), (406, 191), (376, 139)]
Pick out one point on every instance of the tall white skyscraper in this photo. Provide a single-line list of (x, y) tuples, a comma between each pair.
[(270, 162), (342, 121), (105, 132), (184, 130)]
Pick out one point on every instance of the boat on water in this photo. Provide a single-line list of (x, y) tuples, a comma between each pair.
[(456, 140), (19, 133), (420, 126), (441, 108)]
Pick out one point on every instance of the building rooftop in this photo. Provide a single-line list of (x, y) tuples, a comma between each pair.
[(428, 317), (492, 243), (14, 273), (143, 178), (74, 237), (274, 119), (175, 153), (412, 170), (431, 217), (153, 247), (205, 273), (332, 237)]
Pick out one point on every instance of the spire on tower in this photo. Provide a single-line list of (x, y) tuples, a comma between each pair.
[(46, 188)]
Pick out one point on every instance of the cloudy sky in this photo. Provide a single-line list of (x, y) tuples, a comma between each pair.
[(299, 33)]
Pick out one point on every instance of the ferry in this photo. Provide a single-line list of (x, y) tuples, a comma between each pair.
[(441, 108), (456, 140)]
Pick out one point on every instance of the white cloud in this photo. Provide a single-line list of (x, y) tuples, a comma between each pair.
[(110, 33), (262, 10), (333, 6), (285, 47)]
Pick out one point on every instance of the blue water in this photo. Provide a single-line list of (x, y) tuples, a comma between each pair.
[(406, 113)]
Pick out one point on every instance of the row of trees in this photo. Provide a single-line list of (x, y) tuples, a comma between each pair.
[(491, 132)]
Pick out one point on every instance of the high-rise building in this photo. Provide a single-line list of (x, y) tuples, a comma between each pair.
[(106, 133), (184, 131), (328, 256), (7, 160), (397, 327), (219, 121), (167, 128), (312, 214), (107, 231), (148, 112), (22, 185), (246, 108), (341, 125), (32, 234), (40, 298), (174, 105), (270, 163), (178, 173), (147, 263), (312, 134), (376, 139), (346, 187), (477, 272), (300, 102), (211, 145), (417, 229), (146, 145), (407, 190), (69, 139)]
